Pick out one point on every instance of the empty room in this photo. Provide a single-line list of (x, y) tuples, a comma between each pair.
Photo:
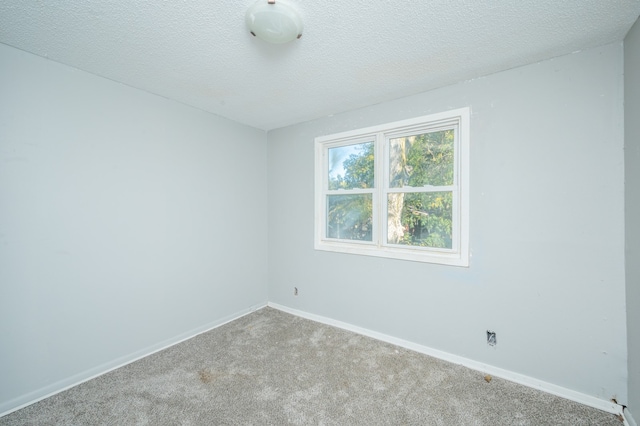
[(296, 212)]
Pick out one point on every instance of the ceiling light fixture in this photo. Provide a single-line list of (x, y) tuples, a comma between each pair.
[(274, 22)]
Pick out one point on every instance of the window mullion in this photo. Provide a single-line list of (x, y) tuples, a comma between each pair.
[(382, 185)]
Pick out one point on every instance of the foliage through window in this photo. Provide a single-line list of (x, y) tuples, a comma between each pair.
[(398, 190)]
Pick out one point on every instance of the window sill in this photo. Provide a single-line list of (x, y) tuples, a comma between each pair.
[(426, 256)]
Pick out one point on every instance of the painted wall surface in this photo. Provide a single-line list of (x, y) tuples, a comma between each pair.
[(547, 229), (127, 221), (632, 210)]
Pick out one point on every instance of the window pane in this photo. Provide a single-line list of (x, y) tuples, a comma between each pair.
[(349, 217), (420, 219), (420, 160), (351, 166)]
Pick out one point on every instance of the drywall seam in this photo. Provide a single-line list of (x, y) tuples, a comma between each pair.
[(62, 385), (531, 382)]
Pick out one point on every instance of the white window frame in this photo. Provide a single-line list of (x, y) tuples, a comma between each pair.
[(458, 255)]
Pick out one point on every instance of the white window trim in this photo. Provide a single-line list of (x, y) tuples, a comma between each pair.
[(459, 254)]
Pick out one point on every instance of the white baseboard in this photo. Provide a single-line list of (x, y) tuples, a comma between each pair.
[(560, 391), (62, 385), (628, 419)]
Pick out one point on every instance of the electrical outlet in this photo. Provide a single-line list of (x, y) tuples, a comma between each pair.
[(295, 291), (491, 338)]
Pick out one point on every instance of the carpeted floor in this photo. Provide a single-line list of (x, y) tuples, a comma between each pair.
[(272, 368)]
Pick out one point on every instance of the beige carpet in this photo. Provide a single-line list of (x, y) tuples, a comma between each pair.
[(272, 368)]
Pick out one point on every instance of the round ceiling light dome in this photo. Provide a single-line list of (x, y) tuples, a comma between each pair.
[(274, 22)]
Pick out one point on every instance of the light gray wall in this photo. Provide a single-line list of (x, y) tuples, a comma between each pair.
[(127, 221), (547, 229), (632, 209)]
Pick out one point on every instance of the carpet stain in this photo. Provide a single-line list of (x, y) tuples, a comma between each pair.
[(206, 376)]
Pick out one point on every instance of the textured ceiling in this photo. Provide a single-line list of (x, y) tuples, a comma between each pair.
[(353, 53)]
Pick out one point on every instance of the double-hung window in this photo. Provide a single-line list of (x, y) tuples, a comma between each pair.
[(398, 190)]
